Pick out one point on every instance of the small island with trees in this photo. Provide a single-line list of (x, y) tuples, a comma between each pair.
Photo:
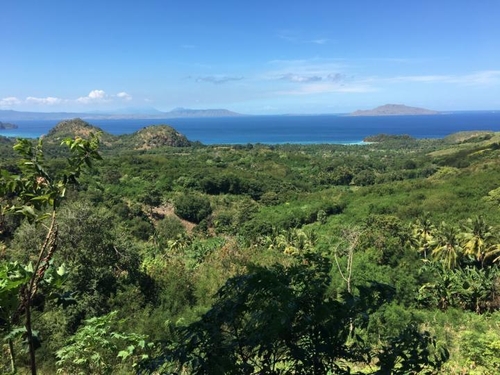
[(7, 126), (394, 110)]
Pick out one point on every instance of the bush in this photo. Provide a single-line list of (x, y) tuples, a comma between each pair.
[(192, 207), (170, 228)]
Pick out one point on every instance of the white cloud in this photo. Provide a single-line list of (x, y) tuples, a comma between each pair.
[(487, 77), (299, 78), (294, 36), (9, 101), (218, 79), (320, 41), (123, 95), (93, 97), (48, 100), (323, 88), (309, 68), (97, 94)]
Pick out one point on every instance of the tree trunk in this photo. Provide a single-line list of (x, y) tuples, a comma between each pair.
[(12, 357), (29, 336)]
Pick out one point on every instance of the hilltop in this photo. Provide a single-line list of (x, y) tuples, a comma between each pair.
[(150, 137), (154, 136), (394, 110), (75, 127)]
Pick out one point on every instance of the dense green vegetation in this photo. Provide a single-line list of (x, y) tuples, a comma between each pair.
[(173, 257)]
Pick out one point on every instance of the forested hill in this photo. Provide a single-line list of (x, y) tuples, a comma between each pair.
[(154, 136), (150, 137)]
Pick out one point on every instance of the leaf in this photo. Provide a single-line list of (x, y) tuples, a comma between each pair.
[(61, 270), (29, 268), (123, 354)]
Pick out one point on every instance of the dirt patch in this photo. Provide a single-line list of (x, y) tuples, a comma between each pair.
[(168, 210)]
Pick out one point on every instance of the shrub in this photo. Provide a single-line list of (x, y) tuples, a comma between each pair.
[(192, 207)]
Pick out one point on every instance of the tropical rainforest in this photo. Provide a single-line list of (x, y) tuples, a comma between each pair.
[(148, 253)]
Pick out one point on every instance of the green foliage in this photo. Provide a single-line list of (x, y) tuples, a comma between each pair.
[(481, 349), (34, 189), (29, 194), (264, 205), (411, 352), (364, 178), (279, 320), (97, 348), (469, 288), (191, 207), (169, 228)]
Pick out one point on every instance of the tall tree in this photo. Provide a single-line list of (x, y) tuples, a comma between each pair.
[(479, 240), (36, 195), (446, 245), (424, 233)]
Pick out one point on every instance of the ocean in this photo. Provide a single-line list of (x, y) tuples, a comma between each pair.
[(312, 129)]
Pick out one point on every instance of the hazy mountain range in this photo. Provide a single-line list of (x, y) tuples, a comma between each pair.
[(126, 113), (152, 113)]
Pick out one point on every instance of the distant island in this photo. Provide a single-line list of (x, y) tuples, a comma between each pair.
[(151, 113), (388, 137), (6, 126), (186, 112), (394, 110)]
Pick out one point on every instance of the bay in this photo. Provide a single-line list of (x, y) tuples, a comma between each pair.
[(313, 129)]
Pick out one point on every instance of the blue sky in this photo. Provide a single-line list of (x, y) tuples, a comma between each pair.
[(254, 57)]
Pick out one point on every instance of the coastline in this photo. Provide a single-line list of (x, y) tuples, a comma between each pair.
[(319, 129)]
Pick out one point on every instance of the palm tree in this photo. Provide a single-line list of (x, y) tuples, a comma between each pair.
[(423, 231), (479, 240), (446, 245), (407, 237)]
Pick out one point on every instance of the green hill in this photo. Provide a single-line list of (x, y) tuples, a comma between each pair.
[(76, 128), (154, 136)]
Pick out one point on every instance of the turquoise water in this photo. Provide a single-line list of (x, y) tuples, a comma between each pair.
[(289, 129)]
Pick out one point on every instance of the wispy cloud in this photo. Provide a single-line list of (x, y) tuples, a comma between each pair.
[(316, 76), (123, 95), (319, 41), (100, 96), (9, 102), (299, 78), (218, 79), (94, 97), (293, 36), (480, 78), (486, 77), (336, 77), (310, 67), (326, 87), (49, 100)]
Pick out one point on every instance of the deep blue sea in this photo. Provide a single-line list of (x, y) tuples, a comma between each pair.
[(289, 129)]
